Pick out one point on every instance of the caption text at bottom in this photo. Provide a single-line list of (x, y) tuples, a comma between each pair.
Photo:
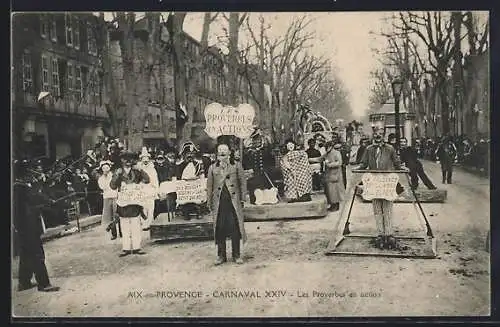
[(250, 294)]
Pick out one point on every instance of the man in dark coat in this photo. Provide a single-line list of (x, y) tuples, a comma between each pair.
[(361, 150), (446, 153), (409, 156), (313, 153), (225, 192), (262, 162), (29, 228), (345, 151), (166, 170)]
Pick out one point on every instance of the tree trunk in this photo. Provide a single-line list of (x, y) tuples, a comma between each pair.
[(174, 23), (233, 58), (457, 71)]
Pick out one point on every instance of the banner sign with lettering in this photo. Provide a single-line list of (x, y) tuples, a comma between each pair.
[(380, 186), (135, 194), (193, 191), (188, 191), (227, 120)]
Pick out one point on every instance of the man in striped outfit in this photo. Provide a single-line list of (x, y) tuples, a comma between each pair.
[(381, 156)]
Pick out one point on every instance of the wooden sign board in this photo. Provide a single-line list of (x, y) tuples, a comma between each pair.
[(227, 120), (188, 191), (135, 194), (380, 186)]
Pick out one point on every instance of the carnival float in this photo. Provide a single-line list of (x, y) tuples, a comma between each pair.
[(278, 181)]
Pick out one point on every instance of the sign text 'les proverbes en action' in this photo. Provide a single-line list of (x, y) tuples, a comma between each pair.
[(227, 120)]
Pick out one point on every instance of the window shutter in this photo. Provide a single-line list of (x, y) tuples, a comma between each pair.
[(62, 76)]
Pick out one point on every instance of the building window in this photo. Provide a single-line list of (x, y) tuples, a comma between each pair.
[(56, 90), (77, 34), (90, 89), (27, 73), (71, 81), (69, 30), (44, 26), (93, 88), (99, 89), (53, 29), (45, 74), (92, 45), (78, 83)]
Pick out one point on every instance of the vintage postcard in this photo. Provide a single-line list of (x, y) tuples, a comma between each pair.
[(250, 164)]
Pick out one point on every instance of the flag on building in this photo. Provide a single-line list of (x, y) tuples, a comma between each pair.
[(42, 95), (183, 111)]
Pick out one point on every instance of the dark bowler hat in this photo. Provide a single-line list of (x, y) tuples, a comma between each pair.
[(128, 155)]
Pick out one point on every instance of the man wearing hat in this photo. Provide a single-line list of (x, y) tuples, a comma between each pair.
[(29, 228), (262, 162), (130, 214), (332, 175), (345, 151), (382, 156), (166, 171), (109, 199), (361, 150), (189, 169), (146, 165)]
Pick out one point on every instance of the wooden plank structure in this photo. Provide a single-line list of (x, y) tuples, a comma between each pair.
[(168, 228), (345, 243), (317, 208), (423, 195)]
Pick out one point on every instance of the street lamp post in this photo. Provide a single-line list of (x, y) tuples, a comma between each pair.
[(396, 92)]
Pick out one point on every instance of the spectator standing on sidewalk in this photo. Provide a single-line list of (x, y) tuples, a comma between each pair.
[(29, 227), (446, 154), (109, 200), (409, 157)]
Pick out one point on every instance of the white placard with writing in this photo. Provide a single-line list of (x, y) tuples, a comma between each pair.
[(380, 186), (168, 187), (188, 191), (135, 194), (191, 191), (227, 120)]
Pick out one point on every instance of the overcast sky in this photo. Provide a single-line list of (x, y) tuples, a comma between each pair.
[(344, 38)]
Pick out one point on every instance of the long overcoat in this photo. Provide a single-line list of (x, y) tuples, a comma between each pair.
[(234, 178), (333, 178)]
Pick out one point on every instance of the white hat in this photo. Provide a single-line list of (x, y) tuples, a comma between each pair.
[(188, 147), (144, 153), (105, 162)]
